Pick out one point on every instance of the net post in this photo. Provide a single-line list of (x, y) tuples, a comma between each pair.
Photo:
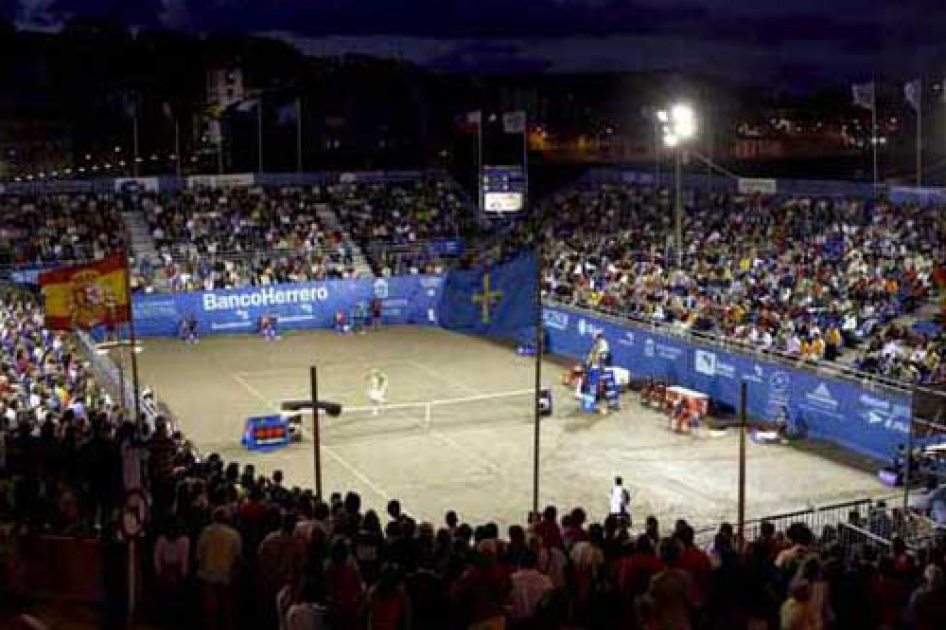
[(316, 437), (139, 422), (537, 402), (428, 415), (743, 404)]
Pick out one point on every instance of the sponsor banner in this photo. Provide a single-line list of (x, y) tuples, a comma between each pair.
[(867, 422), (28, 275), (136, 184), (750, 186), (413, 300), (870, 423), (235, 180), (918, 196)]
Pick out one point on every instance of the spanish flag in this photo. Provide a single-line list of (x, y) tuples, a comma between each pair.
[(86, 296)]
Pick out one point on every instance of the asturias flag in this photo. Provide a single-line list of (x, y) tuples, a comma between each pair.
[(496, 300), (86, 296)]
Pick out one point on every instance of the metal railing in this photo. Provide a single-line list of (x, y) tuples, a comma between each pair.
[(119, 387), (817, 519), (726, 343)]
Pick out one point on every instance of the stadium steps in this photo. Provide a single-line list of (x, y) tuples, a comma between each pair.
[(330, 220), (142, 243)]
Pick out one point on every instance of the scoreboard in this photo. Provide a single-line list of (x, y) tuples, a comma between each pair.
[(502, 189), (266, 432)]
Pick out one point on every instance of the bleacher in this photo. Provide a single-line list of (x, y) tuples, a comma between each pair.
[(335, 560)]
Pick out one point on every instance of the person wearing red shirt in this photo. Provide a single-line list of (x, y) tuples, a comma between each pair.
[(388, 604), (481, 593), (697, 564), (549, 529), (634, 571), (345, 588)]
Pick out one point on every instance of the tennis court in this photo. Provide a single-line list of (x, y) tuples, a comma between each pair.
[(458, 434)]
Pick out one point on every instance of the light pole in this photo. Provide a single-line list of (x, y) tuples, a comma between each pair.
[(679, 127)]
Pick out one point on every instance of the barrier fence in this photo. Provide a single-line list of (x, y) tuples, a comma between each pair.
[(817, 519), (861, 417), (406, 300)]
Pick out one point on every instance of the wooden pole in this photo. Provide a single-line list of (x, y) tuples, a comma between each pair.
[(316, 435), (134, 343), (743, 396), (537, 428)]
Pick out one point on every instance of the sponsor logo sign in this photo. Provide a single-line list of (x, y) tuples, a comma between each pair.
[(555, 319)]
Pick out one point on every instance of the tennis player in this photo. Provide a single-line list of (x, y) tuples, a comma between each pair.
[(600, 353), (377, 389)]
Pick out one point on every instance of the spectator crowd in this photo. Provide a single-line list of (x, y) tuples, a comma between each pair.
[(231, 239), (40, 230), (820, 279), (229, 548), (808, 277)]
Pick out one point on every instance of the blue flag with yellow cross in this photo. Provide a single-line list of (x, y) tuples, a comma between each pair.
[(491, 300)]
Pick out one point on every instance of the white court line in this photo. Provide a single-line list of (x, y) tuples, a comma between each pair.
[(495, 468), (328, 450)]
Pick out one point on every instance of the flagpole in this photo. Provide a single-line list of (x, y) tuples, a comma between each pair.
[(134, 141), (479, 158), (919, 133), (177, 147), (874, 138), (525, 151), (219, 146), (299, 134), (134, 341), (259, 134)]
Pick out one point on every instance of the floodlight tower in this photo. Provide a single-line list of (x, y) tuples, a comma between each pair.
[(679, 128)]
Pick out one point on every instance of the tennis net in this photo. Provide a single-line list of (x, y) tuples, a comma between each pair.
[(431, 415)]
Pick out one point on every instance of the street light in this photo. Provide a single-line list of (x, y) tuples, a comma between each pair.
[(679, 127)]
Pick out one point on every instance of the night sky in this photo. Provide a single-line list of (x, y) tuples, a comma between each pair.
[(804, 41)]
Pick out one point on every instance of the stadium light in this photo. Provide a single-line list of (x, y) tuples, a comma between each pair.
[(679, 127)]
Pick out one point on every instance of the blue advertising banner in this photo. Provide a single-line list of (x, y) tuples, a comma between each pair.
[(413, 300), (498, 300), (856, 417)]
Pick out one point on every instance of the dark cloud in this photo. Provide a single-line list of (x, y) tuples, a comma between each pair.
[(876, 32)]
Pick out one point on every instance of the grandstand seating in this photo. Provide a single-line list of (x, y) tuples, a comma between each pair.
[(819, 279), (808, 277), (69, 457), (43, 229)]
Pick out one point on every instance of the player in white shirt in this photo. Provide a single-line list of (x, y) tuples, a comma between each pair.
[(377, 389), (620, 498), (600, 353)]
